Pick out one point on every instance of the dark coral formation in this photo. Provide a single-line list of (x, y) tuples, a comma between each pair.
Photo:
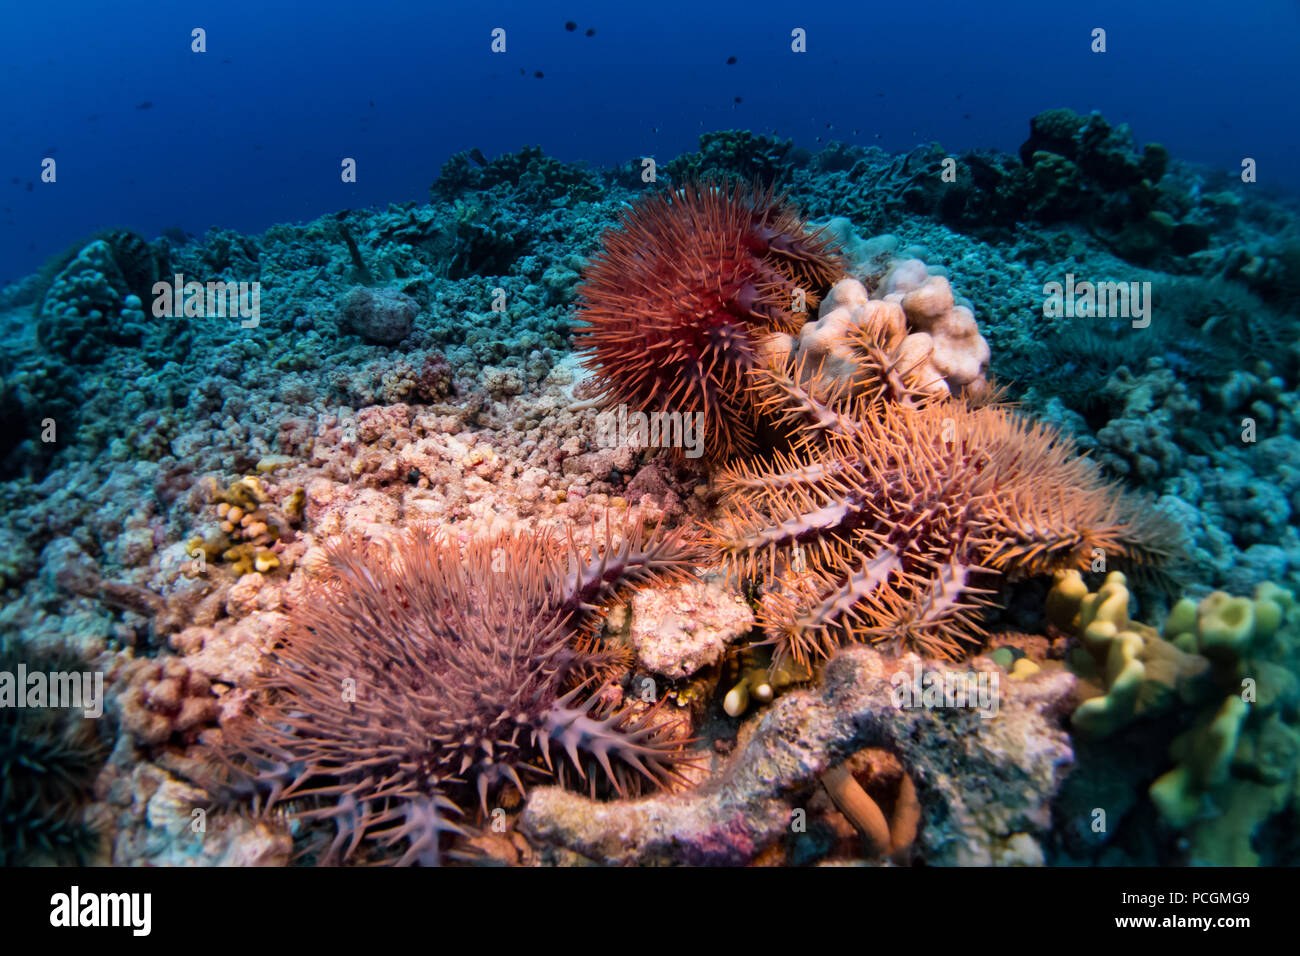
[(97, 300), (534, 177), (380, 316), (679, 302), (1072, 168), (735, 153), (415, 684)]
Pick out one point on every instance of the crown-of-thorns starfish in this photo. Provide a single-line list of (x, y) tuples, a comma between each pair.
[(679, 302), (416, 681), (894, 517)]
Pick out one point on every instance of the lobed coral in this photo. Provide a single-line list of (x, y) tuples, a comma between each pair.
[(1224, 668)]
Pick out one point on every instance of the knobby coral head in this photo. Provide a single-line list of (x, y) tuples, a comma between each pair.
[(416, 681), (681, 301)]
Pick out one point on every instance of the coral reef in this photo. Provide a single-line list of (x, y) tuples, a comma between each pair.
[(414, 367)]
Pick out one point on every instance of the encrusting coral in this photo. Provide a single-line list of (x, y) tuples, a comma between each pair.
[(414, 683), (681, 302)]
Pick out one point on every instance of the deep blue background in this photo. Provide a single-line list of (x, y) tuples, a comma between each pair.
[(252, 132)]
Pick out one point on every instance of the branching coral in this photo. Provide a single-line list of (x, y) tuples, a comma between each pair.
[(895, 513), (414, 684), (680, 303)]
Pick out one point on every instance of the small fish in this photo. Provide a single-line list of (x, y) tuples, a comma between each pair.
[(476, 154), (372, 104), (539, 74), (731, 61), (570, 25), (737, 99), (590, 32), (965, 116), (146, 105), (92, 117), (521, 72), (31, 186), (14, 180)]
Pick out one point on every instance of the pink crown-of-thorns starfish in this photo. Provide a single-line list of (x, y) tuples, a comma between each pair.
[(415, 682)]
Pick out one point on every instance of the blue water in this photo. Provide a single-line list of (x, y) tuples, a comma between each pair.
[(253, 131)]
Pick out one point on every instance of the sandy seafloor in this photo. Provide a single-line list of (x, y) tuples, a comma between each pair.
[(480, 421)]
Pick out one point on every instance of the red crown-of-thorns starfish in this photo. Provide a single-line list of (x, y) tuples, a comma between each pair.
[(414, 683), (892, 519), (681, 300)]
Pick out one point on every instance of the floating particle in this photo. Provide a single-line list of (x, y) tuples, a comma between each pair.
[(570, 25), (146, 105), (965, 116), (539, 74), (731, 61), (590, 32), (31, 186), (372, 104), (14, 180)]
